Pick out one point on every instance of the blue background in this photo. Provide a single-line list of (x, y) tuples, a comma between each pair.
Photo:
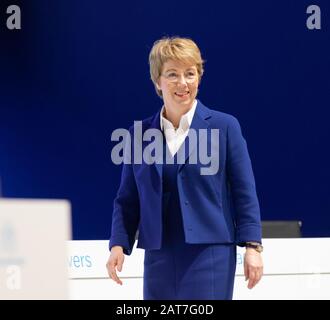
[(79, 69)]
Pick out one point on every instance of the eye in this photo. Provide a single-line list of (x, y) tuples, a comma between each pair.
[(191, 74), (172, 74)]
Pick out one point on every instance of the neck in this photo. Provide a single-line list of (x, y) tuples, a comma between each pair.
[(174, 113)]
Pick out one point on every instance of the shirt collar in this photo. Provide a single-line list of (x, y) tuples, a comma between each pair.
[(185, 120)]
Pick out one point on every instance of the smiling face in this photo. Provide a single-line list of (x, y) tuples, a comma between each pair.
[(179, 84)]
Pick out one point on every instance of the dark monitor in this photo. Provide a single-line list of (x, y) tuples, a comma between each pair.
[(281, 229)]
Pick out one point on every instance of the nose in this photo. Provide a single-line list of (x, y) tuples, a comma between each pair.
[(182, 80)]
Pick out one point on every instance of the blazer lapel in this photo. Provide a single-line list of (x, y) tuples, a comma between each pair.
[(155, 124), (198, 122)]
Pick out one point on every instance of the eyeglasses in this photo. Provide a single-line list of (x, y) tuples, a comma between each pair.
[(189, 77)]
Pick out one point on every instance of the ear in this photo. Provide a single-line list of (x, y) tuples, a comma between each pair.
[(158, 86)]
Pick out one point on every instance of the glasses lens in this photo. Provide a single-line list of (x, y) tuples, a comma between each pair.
[(174, 77)]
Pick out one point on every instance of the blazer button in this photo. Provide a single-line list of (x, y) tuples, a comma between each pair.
[(186, 202)]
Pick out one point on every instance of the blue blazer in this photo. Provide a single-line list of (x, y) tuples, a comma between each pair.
[(219, 208)]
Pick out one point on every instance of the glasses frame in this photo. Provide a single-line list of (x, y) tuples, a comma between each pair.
[(187, 80)]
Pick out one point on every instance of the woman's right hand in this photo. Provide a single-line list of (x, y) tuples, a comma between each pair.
[(115, 260)]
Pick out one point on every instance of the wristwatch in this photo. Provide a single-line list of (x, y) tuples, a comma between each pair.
[(255, 245)]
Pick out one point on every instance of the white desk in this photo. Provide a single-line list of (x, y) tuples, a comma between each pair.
[(293, 269)]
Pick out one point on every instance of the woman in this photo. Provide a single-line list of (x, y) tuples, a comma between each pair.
[(189, 223)]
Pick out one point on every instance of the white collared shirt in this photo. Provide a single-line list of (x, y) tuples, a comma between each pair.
[(175, 137)]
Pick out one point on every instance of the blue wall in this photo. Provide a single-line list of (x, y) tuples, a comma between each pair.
[(79, 69)]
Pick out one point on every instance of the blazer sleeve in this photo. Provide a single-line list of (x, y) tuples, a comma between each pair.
[(243, 189), (126, 211)]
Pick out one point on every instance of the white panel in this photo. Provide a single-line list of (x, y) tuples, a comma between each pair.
[(285, 287), (294, 269), (87, 259), (106, 289), (33, 241)]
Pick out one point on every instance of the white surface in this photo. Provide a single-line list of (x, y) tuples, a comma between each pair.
[(33, 249), (293, 269)]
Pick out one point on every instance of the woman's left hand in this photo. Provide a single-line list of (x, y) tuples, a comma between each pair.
[(253, 267)]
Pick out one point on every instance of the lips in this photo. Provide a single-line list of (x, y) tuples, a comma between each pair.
[(182, 94)]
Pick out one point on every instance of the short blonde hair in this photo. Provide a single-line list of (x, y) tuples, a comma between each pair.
[(174, 48)]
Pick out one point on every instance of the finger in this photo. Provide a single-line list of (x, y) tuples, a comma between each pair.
[(120, 263), (255, 277), (113, 274), (115, 278), (251, 284), (259, 275), (109, 268), (112, 271), (246, 271), (111, 265), (252, 279), (258, 272)]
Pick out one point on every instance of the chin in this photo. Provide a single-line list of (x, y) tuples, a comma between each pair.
[(185, 101)]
